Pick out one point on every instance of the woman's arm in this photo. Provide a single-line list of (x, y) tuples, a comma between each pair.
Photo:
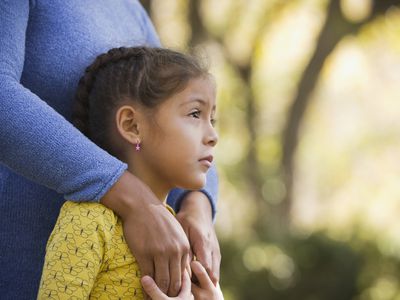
[(36, 141)]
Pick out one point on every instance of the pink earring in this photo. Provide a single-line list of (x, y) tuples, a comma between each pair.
[(137, 147)]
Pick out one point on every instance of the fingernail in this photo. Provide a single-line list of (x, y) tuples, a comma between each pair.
[(146, 280)]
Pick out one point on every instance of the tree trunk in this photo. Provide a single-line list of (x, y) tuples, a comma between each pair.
[(335, 28)]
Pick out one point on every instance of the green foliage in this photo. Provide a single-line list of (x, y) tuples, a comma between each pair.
[(312, 268), (321, 269)]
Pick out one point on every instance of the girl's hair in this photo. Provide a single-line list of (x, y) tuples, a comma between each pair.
[(142, 75)]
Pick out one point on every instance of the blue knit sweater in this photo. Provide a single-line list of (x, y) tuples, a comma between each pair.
[(45, 46)]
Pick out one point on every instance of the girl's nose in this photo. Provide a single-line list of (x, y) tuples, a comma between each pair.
[(212, 138)]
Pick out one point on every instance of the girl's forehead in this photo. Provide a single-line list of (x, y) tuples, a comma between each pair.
[(198, 90), (201, 90), (203, 86)]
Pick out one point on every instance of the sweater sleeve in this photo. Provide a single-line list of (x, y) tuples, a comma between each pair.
[(36, 141)]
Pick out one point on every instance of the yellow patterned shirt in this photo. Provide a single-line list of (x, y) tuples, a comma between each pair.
[(87, 257)]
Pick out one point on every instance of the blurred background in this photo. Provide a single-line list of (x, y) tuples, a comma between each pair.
[(308, 156)]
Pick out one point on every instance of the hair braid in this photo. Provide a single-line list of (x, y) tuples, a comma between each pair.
[(81, 107)]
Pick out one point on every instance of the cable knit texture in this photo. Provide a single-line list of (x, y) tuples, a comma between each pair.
[(44, 49)]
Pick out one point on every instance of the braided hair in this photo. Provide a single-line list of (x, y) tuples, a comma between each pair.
[(142, 75)]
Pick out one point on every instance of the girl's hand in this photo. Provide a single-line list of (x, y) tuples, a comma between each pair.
[(152, 233), (155, 293), (204, 289), (196, 221)]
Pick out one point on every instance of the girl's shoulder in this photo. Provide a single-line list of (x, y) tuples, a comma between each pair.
[(90, 213)]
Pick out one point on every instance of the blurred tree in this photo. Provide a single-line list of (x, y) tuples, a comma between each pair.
[(243, 68), (335, 28)]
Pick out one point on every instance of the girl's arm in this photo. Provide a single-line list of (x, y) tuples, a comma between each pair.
[(75, 252)]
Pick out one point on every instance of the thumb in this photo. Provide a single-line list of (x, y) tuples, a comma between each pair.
[(152, 289)]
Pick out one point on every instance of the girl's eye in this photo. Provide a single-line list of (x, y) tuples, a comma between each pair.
[(213, 121), (195, 114)]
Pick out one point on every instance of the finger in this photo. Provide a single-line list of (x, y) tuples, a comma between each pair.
[(191, 255), (216, 263), (196, 291), (186, 265), (161, 273), (202, 276), (147, 268), (187, 232), (185, 285), (202, 251), (152, 289), (176, 270)]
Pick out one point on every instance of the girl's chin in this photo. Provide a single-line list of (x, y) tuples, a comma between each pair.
[(195, 184)]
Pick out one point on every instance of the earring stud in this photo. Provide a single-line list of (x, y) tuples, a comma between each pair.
[(137, 147)]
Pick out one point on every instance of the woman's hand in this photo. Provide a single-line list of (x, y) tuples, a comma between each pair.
[(196, 221), (155, 293), (152, 233)]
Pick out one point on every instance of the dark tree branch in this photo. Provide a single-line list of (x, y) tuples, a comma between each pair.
[(146, 5)]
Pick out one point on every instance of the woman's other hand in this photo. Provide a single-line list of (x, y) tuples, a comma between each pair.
[(196, 221)]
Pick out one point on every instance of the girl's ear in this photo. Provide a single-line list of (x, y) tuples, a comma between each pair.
[(127, 123)]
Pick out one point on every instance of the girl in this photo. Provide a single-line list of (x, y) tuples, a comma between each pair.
[(153, 109)]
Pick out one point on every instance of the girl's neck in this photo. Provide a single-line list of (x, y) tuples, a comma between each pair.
[(159, 189)]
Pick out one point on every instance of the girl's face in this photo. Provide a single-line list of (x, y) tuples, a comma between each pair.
[(177, 144)]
